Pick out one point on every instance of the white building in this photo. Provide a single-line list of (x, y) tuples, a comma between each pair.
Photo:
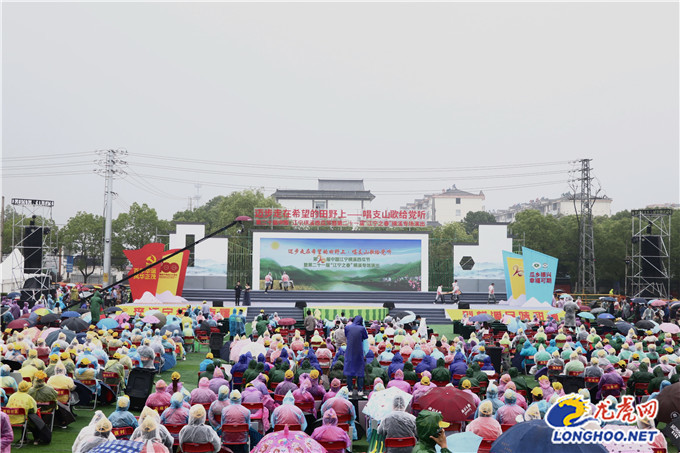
[(451, 205), (339, 194), (564, 205)]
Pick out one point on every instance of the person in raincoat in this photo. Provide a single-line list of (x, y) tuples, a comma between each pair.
[(354, 355), (640, 376), (336, 384), (43, 393), (287, 385), (235, 413), (217, 381), (422, 388), (397, 364), (398, 423), (202, 394), (197, 431), (33, 360), (317, 390), (150, 431), (329, 431), (102, 433), (6, 380), (90, 430), (430, 432), (6, 434), (160, 397), (114, 366), (288, 414), (342, 407), (177, 413), (95, 307), (507, 414), (399, 382), (122, 417), (492, 397), (252, 395), (484, 424), (215, 411), (570, 308), (22, 399)]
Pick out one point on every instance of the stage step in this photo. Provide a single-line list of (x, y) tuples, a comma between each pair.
[(330, 297)]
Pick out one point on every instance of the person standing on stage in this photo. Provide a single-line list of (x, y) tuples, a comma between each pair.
[(440, 295), (455, 292), (285, 280), (268, 282), (237, 293), (492, 294)]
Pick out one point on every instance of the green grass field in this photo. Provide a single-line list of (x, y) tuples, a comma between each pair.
[(62, 439)]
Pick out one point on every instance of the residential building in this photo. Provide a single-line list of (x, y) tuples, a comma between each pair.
[(451, 205), (564, 205), (339, 194)]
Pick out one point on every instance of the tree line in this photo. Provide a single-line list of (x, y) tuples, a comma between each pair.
[(83, 237)]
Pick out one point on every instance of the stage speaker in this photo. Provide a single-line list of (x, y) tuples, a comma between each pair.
[(139, 387), (495, 355), (389, 305), (218, 303), (463, 305), (300, 304), (216, 342), (32, 248), (651, 256)]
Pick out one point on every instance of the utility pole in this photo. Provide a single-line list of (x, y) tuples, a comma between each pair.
[(111, 159), (586, 264)]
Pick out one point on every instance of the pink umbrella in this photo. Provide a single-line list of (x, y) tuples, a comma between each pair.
[(618, 447), (32, 333), (669, 328), (236, 349), (288, 442), (658, 303), (46, 332), (151, 319), (121, 318)]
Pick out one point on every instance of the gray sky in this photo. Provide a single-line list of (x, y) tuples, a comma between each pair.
[(442, 89)]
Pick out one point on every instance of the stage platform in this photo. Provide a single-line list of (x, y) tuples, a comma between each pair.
[(283, 302)]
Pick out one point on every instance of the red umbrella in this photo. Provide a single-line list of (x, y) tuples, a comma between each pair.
[(18, 324), (286, 322), (455, 405)]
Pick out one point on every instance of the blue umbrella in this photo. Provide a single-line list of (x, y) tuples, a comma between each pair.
[(483, 317), (624, 327), (514, 326), (608, 299), (586, 315), (538, 434), (121, 446), (107, 323), (605, 316), (555, 311), (462, 443), (13, 295), (70, 314)]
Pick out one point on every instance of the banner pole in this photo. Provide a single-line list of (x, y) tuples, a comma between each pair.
[(239, 219)]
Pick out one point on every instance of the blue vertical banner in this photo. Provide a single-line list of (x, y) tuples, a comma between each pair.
[(540, 271), (69, 264)]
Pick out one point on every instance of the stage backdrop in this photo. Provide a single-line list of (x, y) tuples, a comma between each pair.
[(342, 261), (166, 276)]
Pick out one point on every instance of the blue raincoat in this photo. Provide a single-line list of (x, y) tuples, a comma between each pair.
[(354, 356), (121, 417), (397, 364)]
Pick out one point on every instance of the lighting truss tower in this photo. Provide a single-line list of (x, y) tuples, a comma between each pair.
[(34, 215), (586, 262), (650, 259)]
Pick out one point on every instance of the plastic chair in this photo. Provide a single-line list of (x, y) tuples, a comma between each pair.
[(159, 409), (592, 380), (505, 426), (455, 427), (235, 428), (333, 444), (575, 373), (174, 430), (279, 398), (18, 411), (254, 407), (48, 409), (400, 442), (108, 375), (8, 391), (237, 378), (190, 447), (306, 407), (91, 383), (123, 433), (280, 427), (485, 445)]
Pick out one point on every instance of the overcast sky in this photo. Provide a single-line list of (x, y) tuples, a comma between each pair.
[(275, 95)]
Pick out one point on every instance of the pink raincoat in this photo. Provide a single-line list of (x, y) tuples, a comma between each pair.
[(330, 431), (399, 382), (202, 394)]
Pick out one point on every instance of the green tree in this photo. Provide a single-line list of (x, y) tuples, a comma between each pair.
[(612, 245), (442, 239), (83, 237), (136, 228), (472, 221)]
